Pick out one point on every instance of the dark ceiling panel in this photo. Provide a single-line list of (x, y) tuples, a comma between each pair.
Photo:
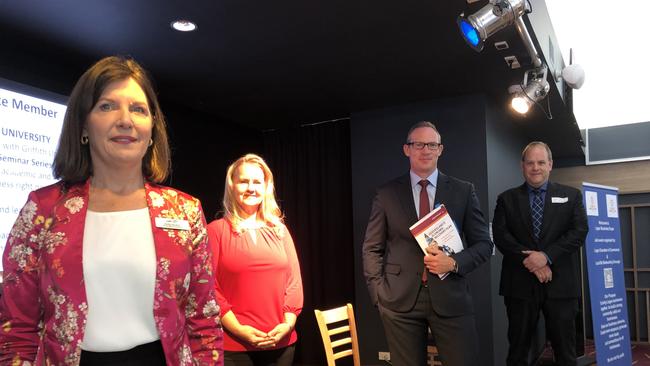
[(268, 64)]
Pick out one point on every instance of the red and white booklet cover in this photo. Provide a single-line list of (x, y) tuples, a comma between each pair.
[(437, 228)]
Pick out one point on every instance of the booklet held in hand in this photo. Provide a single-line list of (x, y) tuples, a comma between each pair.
[(437, 228)]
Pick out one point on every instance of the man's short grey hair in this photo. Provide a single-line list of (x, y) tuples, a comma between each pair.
[(534, 144)]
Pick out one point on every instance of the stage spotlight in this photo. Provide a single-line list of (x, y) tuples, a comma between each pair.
[(491, 18), (533, 89)]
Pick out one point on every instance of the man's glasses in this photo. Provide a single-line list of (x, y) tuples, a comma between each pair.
[(421, 145)]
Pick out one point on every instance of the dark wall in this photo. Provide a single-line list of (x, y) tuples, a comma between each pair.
[(202, 149), (377, 137), (31, 61), (504, 145)]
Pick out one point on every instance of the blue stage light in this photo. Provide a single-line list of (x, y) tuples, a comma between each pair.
[(491, 18), (469, 32)]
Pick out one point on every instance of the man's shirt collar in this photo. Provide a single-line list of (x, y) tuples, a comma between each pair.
[(415, 179), (542, 188)]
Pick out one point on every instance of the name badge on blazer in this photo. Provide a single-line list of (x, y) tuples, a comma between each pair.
[(559, 199), (176, 224)]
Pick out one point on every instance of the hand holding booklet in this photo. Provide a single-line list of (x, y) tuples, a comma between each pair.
[(437, 228)]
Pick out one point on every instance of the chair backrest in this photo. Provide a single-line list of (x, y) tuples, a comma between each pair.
[(339, 332)]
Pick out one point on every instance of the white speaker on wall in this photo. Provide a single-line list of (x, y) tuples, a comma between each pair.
[(573, 75)]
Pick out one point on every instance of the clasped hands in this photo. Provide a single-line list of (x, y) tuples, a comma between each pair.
[(537, 263), (264, 340), (437, 261)]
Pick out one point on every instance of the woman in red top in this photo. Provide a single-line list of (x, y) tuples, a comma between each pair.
[(259, 288)]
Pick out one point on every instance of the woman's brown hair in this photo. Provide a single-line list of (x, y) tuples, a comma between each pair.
[(72, 162)]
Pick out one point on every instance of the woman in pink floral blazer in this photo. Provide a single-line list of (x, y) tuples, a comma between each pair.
[(107, 267)]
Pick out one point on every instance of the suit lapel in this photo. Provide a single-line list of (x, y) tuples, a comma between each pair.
[(405, 196), (442, 189), (524, 208)]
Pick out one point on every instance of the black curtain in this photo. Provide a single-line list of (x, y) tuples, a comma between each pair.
[(311, 166)]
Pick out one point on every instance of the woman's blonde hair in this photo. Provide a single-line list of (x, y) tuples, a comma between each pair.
[(268, 211)]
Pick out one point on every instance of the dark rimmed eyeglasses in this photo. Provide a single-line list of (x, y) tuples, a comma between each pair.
[(421, 145)]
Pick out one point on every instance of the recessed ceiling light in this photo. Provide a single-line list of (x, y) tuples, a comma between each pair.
[(183, 25)]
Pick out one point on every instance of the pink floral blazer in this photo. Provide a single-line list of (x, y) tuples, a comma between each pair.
[(43, 307)]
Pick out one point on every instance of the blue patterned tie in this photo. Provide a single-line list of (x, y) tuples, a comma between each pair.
[(537, 211)]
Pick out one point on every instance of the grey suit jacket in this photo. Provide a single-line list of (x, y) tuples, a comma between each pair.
[(393, 261)]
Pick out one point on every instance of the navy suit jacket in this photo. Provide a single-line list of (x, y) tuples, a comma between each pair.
[(563, 232), (393, 260)]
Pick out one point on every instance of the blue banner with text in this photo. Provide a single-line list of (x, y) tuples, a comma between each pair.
[(606, 281)]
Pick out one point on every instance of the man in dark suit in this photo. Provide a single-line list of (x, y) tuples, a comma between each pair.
[(539, 227), (410, 297)]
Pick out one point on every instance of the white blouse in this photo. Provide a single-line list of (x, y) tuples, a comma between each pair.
[(119, 267)]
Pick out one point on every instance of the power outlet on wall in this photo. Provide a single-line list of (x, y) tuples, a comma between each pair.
[(384, 356)]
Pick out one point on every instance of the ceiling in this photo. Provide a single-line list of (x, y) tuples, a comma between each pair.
[(269, 64)]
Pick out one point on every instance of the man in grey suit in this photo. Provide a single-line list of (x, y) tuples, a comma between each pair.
[(539, 227), (411, 297)]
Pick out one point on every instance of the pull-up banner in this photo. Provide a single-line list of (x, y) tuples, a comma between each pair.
[(606, 282)]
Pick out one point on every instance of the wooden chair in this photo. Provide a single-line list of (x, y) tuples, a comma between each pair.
[(339, 332)]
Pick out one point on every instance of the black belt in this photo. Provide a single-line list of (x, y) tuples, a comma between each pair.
[(148, 354)]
